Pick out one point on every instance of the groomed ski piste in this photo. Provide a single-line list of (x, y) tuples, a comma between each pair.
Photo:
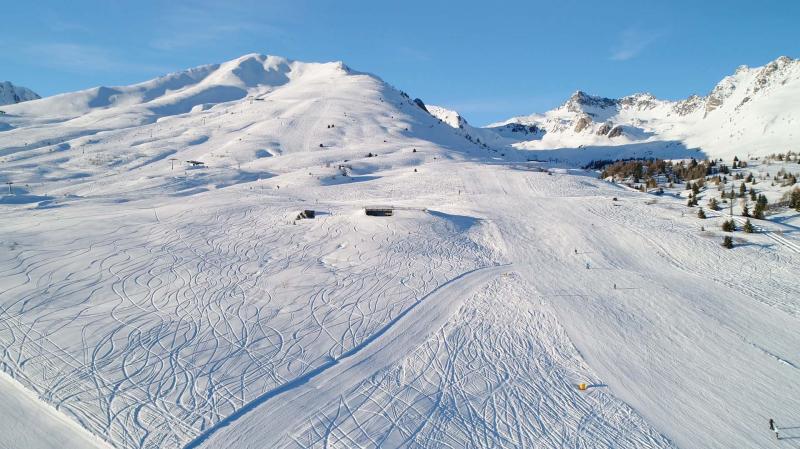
[(148, 303)]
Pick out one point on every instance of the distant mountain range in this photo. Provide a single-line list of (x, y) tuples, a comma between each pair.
[(11, 94), (754, 111)]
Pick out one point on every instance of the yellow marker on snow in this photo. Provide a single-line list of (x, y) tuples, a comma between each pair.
[(582, 386)]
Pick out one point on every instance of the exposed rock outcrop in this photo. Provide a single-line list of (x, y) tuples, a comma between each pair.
[(582, 123), (615, 132), (604, 129), (421, 104)]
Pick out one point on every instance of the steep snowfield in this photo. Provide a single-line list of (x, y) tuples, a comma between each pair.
[(30, 423), (753, 112), (188, 307), (11, 94)]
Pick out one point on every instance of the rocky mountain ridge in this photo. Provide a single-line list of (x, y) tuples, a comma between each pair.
[(12, 94), (755, 109)]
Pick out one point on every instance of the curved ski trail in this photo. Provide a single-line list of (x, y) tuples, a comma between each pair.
[(318, 387)]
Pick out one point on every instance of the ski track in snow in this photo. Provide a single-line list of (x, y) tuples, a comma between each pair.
[(265, 422), (169, 325), (207, 313), (500, 373), (160, 307), (781, 240), (642, 273)]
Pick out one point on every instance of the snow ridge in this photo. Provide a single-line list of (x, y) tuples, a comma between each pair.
[(753, 111)]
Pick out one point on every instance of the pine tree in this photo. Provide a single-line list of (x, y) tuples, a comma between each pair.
[(712, 204), (727, 242), (748, 227), (701, 214), (794, 200), (761, 207), (745, 211), (752, 194), (742, 190), (728, 225)]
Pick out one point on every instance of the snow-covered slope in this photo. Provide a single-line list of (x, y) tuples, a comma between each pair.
[(233, 117), (178, 93), (497, 137), (32, 424), (11, 94), (755, 111), (159, 287)]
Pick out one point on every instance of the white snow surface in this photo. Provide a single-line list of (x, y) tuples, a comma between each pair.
[(31, 423), (448, 116), (158, 304)]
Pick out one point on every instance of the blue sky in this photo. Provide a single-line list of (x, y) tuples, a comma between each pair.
[(489, 60)]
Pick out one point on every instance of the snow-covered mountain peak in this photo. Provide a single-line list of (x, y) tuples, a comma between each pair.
[(640, 101), (748, 82), (776, 72), (751, 111), (498, 135), (582, 102), (588, 108), (251, 75), (11, 94), (447, 116), (689, 105), (238, 113)]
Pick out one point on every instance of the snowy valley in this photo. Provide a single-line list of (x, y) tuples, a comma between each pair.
[(162, 287)]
